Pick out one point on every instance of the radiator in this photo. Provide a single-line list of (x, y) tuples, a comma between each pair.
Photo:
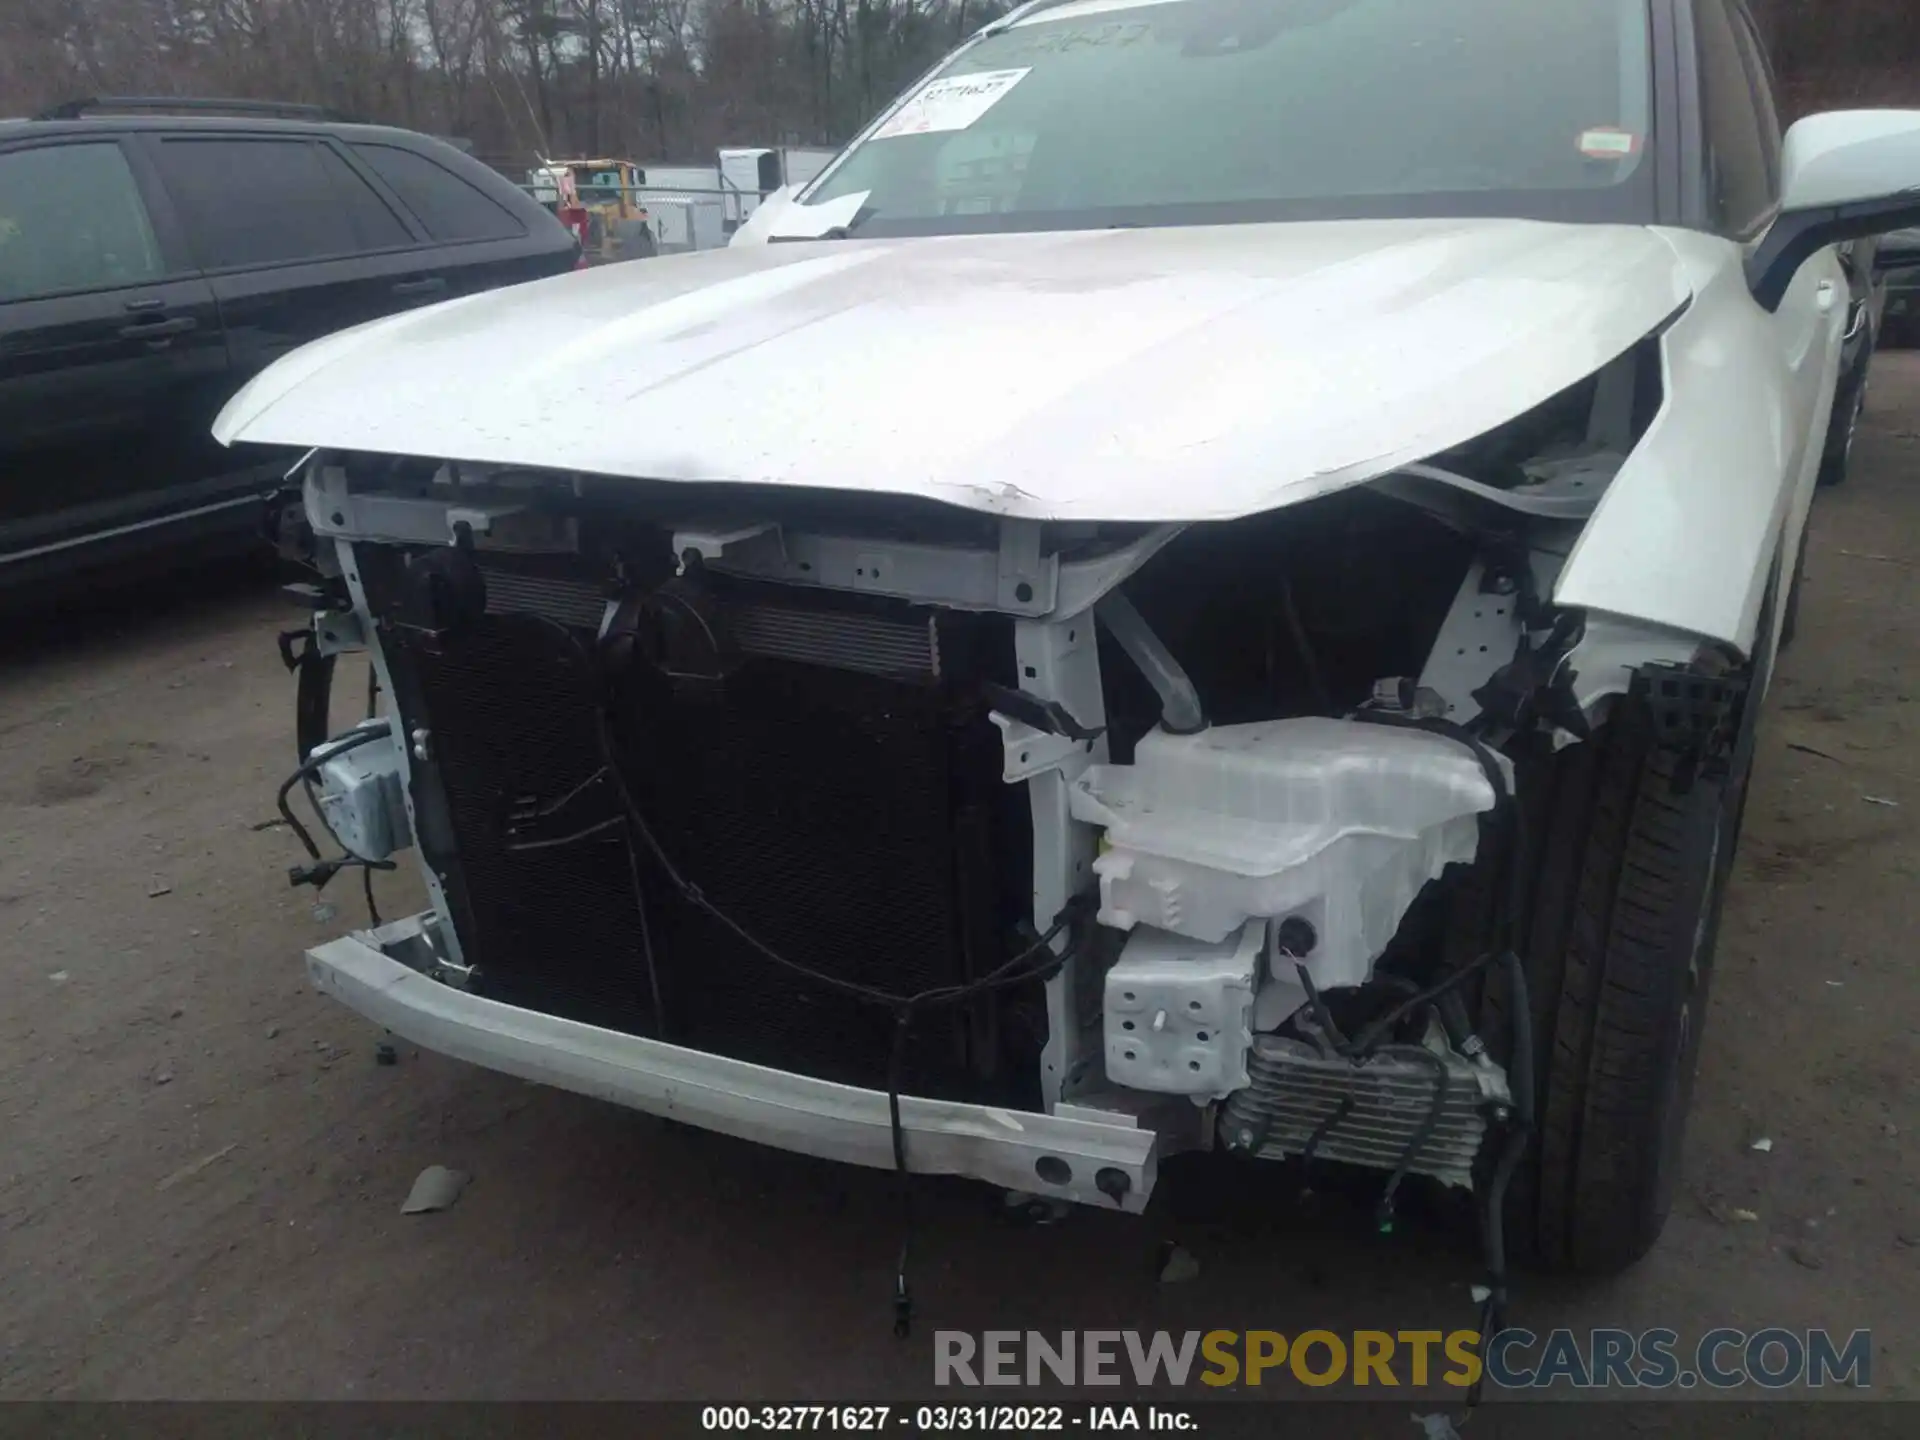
[(839, 794)]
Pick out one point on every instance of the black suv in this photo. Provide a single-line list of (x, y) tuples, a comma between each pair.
[(151, 263)]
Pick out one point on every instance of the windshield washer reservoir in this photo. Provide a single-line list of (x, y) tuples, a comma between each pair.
[(1336, 822)]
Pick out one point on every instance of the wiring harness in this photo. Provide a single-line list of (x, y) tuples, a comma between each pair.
[(1037, 961), (1509, 900), (321, 869), (1040, 961)]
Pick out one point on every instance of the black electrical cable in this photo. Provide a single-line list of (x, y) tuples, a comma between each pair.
[(1318, 1138), (599, 827), (1297, 632), (1320, 1011), (1383, 1213), (1018, 970), (348, 855), (694, 896), (1509, 898), (903, 1187), (321, 871), (1368, 1040), (292, 821), (1452, 1011), (646, 938), (366, 873), (1509, 902), (1493, 1218), (313, 804), (554, 807), (320, 813), (305, 772)]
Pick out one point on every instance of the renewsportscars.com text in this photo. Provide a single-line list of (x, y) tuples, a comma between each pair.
[(1773, 1358)]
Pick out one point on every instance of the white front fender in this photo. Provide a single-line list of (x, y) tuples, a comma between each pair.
[(1687, 535)]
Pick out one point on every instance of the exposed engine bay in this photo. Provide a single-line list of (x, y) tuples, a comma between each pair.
[(1200, 835)]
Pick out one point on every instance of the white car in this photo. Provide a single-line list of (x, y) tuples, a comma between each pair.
[(1207, 585)]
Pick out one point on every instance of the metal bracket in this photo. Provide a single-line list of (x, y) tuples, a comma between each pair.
[(711, 542), (946, 575), (336, 512), (1030, 752), (1487, 625), (333, 632), (1022, 571), (348, 567), (1481, 633), (465, 521), (1049, 717), (338, 632), (1060, 662)]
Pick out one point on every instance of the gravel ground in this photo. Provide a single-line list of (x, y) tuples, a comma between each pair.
[(200, 1186)]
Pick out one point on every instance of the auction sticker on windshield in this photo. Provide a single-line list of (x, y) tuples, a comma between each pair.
[(952, 102), (1605, 142)]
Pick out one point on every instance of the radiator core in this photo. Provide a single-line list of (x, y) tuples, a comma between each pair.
[(838, 794)]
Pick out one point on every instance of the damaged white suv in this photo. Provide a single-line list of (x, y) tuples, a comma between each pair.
[(1207, 585)]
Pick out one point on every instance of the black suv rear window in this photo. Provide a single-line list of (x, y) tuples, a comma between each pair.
[(450, 208), (260, 201)]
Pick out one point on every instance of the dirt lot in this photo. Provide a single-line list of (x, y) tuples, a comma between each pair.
[(203, 1165)]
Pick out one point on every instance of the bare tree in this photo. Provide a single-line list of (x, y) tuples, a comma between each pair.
[(660, 79)]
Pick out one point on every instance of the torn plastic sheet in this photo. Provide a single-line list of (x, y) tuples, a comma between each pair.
[(787, 219), (1337, 822)]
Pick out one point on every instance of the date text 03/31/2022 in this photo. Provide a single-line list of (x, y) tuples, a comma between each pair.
[(941, 1419)]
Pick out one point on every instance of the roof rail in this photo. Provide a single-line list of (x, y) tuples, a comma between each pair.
[(277, 109)]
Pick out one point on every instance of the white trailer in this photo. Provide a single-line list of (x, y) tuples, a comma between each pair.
[(686, 222), (751, 174)]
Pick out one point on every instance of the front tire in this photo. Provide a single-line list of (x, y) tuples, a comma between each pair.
[(1631, 864)]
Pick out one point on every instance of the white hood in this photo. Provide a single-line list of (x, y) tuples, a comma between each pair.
[(1131, 375)]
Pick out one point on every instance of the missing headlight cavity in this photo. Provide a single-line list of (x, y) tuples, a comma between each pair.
[(1297, 612), (1607, 412)]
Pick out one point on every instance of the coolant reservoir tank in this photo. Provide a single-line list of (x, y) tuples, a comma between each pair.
[(1337, 822)]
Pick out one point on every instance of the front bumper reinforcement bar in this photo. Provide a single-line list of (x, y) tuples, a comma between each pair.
[(771, 1107)]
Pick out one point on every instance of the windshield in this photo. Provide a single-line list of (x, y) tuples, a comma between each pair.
[(1103, 112)]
